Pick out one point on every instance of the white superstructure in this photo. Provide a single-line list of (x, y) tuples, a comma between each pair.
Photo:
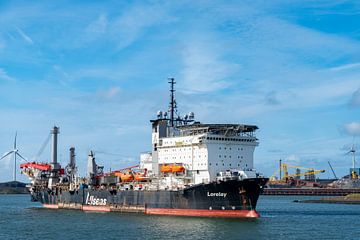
[(206, 151)]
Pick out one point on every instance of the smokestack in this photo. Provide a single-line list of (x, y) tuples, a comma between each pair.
[(72, 157), (55, 166), (54, 132)]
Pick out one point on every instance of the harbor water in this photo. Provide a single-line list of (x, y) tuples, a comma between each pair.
[(281, 218)]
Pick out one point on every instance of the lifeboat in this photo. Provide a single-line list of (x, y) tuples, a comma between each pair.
[(166, 168), (140, 176), (177, 169), (172, 168), (125, 176)]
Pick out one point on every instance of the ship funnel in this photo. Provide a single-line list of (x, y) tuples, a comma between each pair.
[(55, 166), (72, 157), (54, 162)]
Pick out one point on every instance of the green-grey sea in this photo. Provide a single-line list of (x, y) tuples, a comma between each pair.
[(281, 218)]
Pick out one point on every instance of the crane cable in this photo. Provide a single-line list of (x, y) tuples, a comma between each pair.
[(42, 148)]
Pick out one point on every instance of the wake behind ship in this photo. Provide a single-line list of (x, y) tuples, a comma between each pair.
[(193, 169)]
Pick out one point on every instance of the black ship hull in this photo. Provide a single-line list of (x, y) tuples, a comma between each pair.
[(233, 198)]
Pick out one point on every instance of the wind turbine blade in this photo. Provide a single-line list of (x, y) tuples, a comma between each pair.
[(21, 156), (15, 140), (6, 154)]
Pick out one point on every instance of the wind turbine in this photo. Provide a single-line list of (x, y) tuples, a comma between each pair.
[(353, 152), (15, 151)]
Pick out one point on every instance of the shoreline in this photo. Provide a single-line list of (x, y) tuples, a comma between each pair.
[(348, 199)]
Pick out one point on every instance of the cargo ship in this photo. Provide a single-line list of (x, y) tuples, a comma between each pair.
[(193, 169)]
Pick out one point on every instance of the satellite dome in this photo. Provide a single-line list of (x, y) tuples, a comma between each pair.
[(191, 115)]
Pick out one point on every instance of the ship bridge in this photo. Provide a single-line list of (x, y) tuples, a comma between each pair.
[(218, 129)]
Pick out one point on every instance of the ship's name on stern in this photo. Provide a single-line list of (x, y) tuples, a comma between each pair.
[(92, 200), (218, 194)]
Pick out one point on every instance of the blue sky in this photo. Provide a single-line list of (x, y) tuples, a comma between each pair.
[(98, 69)]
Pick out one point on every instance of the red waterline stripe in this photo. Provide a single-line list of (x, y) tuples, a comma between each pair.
[(52, 206), (204, 213), (96, 208)]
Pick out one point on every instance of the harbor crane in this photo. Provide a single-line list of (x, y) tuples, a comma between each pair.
[(284, 175)]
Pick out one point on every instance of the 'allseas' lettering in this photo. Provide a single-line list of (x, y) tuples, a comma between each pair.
[(218, 194), (91, 200)]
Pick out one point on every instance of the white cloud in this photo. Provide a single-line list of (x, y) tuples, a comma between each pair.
[(99, 25), (205, 70), (251, 53), (355, 99), (131, 25), (5, 76), (352, 128), (293, 158), (346, 67), (96, 30), (24, 36), (109, 93)]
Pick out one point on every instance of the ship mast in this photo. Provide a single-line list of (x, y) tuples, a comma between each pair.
[(172, 101)]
